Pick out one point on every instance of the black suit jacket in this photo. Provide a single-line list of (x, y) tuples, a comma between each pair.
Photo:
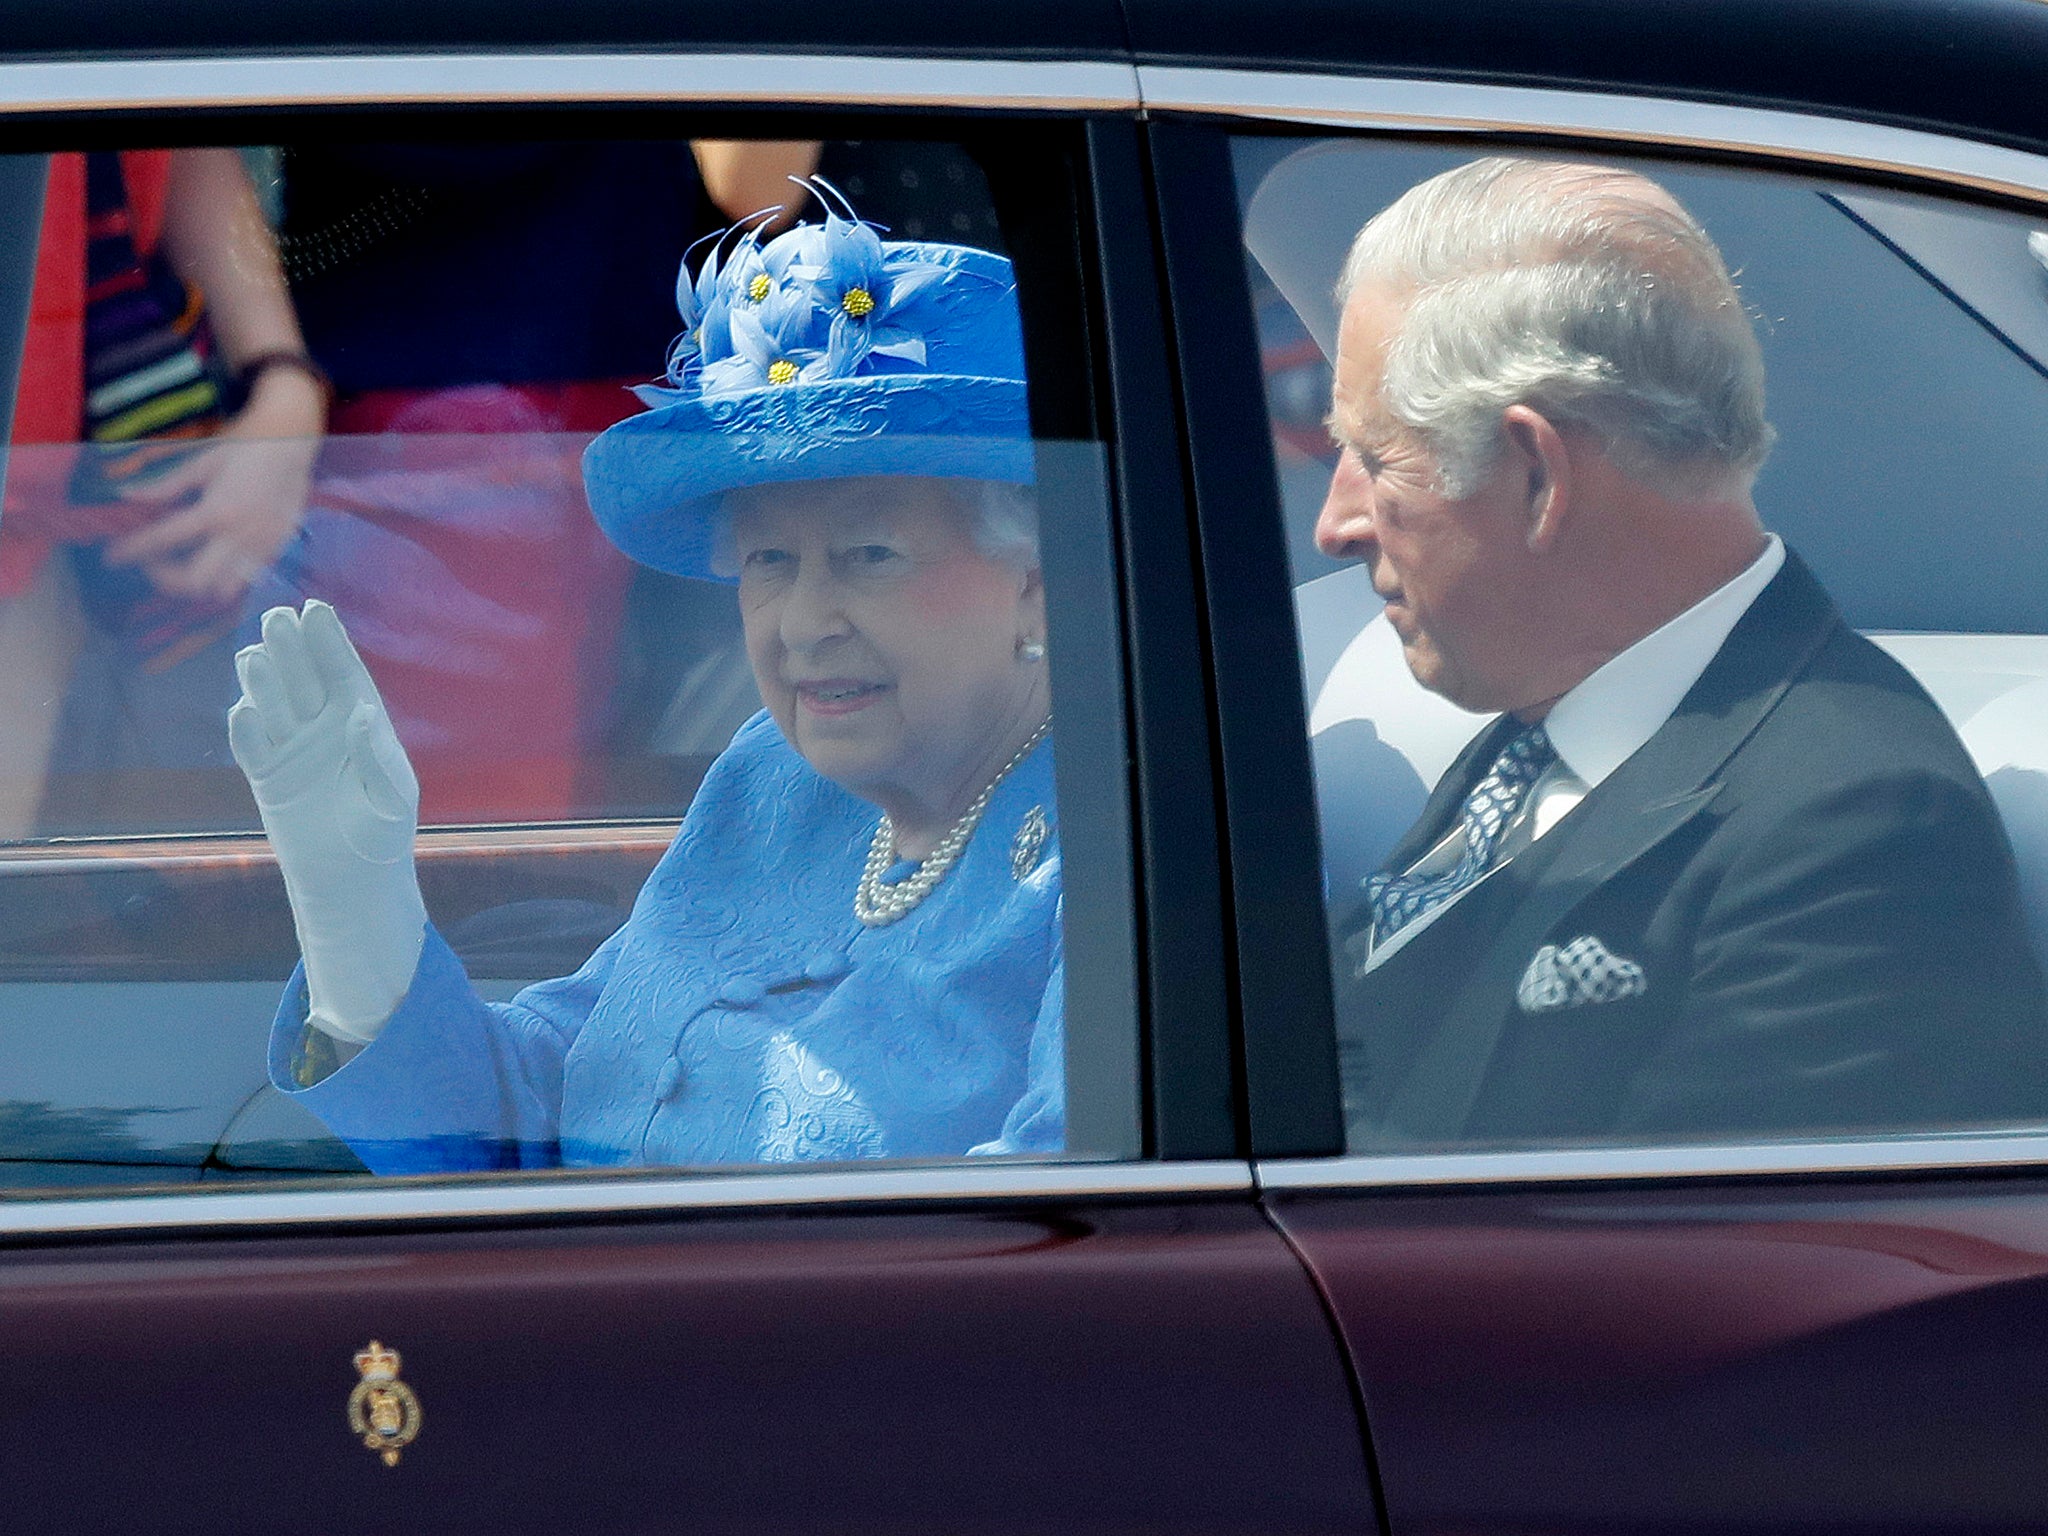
[(1815, 883)]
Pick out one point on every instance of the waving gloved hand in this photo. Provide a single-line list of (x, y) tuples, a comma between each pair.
[(341, 806)]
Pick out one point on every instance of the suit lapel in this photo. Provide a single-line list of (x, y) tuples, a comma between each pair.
[(1662, 787)]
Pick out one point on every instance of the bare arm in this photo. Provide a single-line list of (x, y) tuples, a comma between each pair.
[(216, 236), (247, 490), (744, 176)]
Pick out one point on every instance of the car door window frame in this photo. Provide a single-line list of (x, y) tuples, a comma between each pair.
[(1288, 1025), (1187, 1092)]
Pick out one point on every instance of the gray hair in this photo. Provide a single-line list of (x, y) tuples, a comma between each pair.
[(1583, 291), (1002, 520)]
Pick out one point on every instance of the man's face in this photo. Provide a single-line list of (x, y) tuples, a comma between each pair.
[(1450, 570)]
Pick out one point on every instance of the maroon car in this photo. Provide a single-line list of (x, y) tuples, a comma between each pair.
[(1231, 1305)]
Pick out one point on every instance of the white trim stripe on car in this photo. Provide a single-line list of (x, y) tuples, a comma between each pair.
[(1438, 106), (510, 79), (526, 1195)]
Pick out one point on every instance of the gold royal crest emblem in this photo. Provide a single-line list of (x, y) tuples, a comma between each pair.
[(382, 1409)]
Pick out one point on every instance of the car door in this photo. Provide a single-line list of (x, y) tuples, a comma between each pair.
[(212, 1316), (1568, 1332)]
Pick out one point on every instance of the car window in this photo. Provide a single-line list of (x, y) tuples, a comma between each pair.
[(1783, 871), (696, 577)]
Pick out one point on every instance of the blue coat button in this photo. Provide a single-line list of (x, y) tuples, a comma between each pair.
[(670, 1083), (742, 992)]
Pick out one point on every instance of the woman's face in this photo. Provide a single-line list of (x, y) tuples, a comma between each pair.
[(885, 643)]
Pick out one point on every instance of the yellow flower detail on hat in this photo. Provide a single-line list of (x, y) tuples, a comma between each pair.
[(857, 302), (759, 288), (782, 370)]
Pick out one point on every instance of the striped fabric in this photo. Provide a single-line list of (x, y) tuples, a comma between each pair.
[(153, 389), (149, 366)]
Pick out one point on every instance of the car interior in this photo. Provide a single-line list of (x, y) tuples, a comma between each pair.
[(1919, 509), (146, 931)]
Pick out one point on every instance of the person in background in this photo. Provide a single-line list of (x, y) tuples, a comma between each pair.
[(160, 331)]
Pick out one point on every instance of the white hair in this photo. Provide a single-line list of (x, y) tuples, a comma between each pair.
[(1002, 520), (1585, 292)]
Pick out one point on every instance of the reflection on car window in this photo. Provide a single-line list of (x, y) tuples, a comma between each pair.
[(1629, 833), (396, 546)]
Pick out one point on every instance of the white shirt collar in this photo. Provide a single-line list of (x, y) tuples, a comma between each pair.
[(1602, 723)]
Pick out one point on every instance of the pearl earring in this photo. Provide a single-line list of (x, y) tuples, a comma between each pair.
[(1031, 650)]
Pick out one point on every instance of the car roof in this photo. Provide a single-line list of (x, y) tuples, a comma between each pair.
[(1979, 66), (1974, 66), (1085, 29)]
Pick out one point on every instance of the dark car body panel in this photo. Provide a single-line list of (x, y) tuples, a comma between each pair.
[(1812, 1357), (1130, 1368)]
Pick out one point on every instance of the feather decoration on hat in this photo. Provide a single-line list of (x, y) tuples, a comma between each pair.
[(826, 352), (817, 302), (863, 289)]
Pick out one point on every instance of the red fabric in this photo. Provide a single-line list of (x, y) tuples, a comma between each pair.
[(581, 405), (49, 398), (475, 582)]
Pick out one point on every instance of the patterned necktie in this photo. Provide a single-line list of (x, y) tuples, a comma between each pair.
[(1397, 900)]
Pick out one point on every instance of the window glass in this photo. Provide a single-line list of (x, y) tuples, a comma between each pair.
[(1647, 816), (706, 628)]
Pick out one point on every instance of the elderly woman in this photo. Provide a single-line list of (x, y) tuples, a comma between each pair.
[(852, 949)]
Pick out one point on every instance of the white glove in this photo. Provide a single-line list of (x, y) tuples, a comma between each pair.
[(341, 806)]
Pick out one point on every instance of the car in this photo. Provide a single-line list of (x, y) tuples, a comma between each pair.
[(1226, 1306)]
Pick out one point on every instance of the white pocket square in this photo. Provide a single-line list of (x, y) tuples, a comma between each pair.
[(1580, 972)]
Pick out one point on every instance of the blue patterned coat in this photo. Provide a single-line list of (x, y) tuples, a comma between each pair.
[(742, 1013)]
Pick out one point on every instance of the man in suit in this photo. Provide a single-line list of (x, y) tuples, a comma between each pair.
[(1720, 867)]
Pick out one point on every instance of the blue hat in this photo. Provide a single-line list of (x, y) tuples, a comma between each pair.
[(825, 352)]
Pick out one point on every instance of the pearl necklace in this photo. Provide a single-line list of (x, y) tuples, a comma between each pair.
[(878, 905)]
